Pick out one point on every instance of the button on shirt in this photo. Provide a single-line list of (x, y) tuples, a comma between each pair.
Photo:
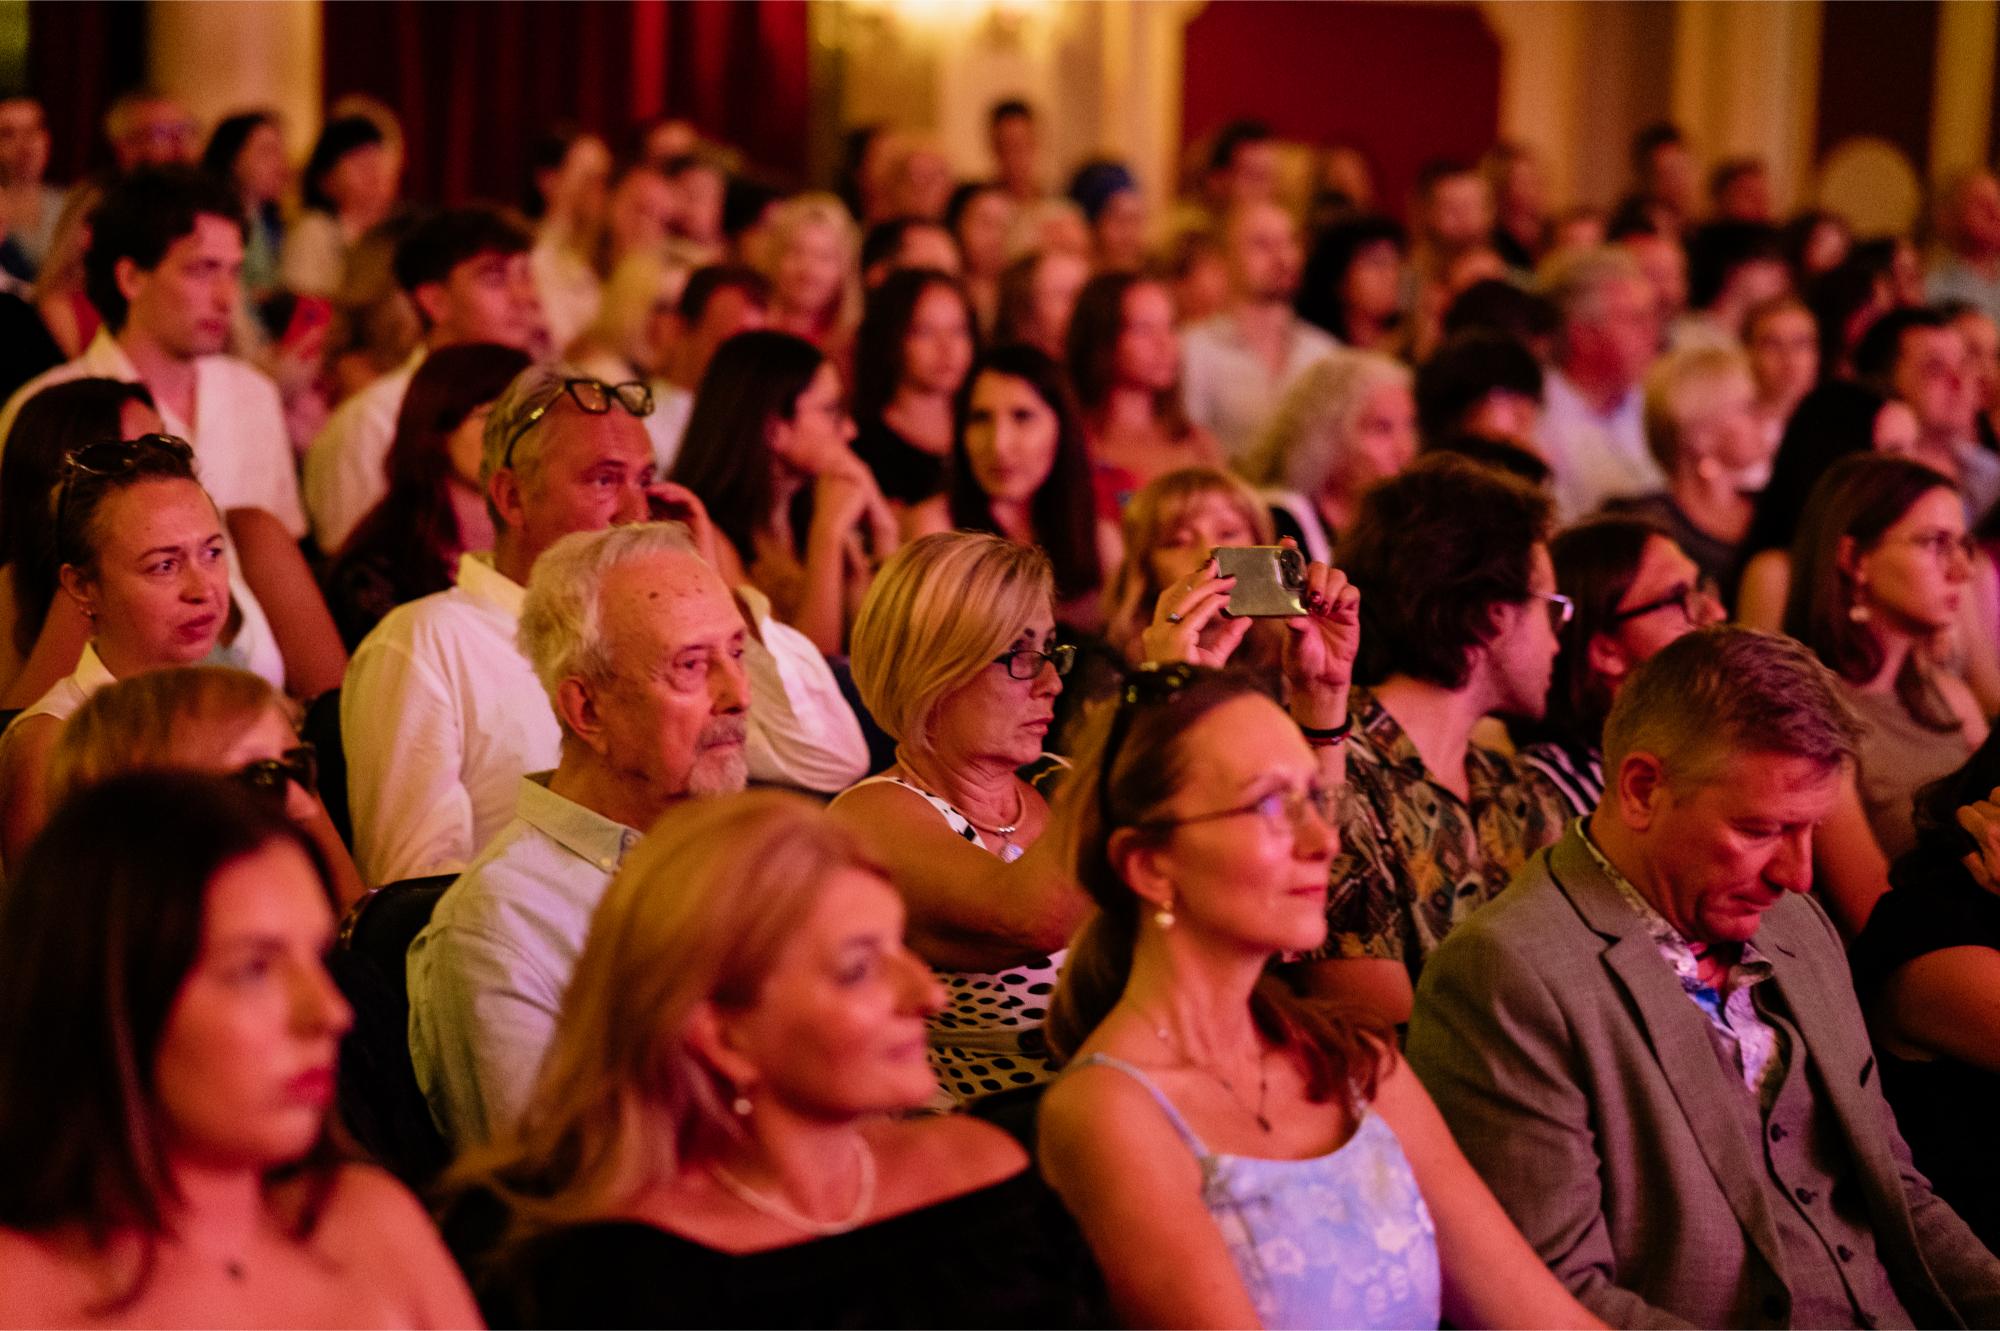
[(346, 467), (441, 716), (1415, 859), (1747, 1042), (1594, 455), (487, 974), (242, 453), (1228, 387)]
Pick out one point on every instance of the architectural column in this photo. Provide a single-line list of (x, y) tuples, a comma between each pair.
[(222, 58), (1745, 82), (1962, 105)]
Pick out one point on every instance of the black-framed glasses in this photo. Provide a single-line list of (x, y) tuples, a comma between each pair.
[(297, 766), (114, 457), (1283, 810), (1692, 599), (1561, 609), (1026, 662), (590, 395)]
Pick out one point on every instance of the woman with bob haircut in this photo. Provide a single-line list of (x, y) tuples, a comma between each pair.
[(1235, 1156), (1020, 468), (955, 655), (721, 1134), (166, 1068), (813, 258), (766, 451), (1880, 572), (203, 718)]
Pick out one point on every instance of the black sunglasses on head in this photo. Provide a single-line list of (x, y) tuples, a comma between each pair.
[(593, 396), (114, 457), (296, 766)]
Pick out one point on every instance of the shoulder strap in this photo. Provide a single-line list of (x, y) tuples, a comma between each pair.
[(1180, 1126), (959, 822)]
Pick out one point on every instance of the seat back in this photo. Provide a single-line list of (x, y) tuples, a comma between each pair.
[(379, 1098), (321, 729)]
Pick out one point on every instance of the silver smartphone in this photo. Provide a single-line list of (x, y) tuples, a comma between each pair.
[(1270, 580)]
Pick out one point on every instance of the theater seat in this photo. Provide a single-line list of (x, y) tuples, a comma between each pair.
[(379, 1099), (321, 729)]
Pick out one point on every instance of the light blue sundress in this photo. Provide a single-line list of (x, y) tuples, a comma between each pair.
[(1339, 1240)]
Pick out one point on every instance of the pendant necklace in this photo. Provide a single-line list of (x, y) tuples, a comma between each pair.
[(1174, 1046)]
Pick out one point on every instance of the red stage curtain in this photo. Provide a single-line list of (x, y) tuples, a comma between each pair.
[(475, 82), (81, 54)]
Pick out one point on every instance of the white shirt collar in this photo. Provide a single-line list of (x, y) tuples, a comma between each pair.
[(478, 579)]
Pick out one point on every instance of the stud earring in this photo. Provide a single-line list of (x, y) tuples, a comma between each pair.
[(1164, 916), (1859, 612), (741, 1105)]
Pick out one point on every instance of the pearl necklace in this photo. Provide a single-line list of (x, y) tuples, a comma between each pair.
[(864, 1199), (1006, 833)]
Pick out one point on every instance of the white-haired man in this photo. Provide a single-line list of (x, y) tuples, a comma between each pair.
[(639, 647), (1593, 434), (440, 716)]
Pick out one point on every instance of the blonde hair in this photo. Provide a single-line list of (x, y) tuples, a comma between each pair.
[(1315, 420), (1574, 280), (1682, 388), (699, 914), (635, 288), (1154, 512), (187, 716), (818, 208), (936, 615)]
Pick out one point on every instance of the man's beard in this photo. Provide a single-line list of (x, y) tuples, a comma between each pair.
[(720, 770)]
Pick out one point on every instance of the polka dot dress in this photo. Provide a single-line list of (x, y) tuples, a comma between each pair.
[(988, 1038)]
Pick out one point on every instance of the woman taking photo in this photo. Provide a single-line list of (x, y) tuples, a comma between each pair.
[(1125, 364), (722, 1132), (910, 360), (435, 508), (165, 1074), (1020, 469), (1168, 530), (766, 451), (1879, 572), (1234, 1157)]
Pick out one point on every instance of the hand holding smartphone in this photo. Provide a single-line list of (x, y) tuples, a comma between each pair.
[(1270, 580)]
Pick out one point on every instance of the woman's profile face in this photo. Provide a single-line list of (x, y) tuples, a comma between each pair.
[(994, 717), (837, 1030), (244, 1073), (1915, 575)]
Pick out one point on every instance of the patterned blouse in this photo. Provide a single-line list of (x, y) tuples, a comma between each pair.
[(1414, 858)]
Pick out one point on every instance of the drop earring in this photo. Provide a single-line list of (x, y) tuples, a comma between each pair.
[(1859, 611), (741, 1106), (1164, 916)]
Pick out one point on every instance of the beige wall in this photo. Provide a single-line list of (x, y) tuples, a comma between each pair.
[(223, 56)]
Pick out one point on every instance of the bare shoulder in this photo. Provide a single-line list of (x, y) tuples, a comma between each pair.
[(366, 1208), (1078, 1110), (40, 1292), (961, 1152), (869, 806)]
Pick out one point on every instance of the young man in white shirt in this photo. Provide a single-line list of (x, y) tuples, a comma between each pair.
[(467, 272), (1238, 365), (441, 716), (638, 645), (163, 268)]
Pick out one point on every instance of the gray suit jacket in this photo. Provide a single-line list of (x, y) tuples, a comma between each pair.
[(1580, 1080)]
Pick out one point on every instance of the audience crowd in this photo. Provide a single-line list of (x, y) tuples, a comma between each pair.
[(955, 752)]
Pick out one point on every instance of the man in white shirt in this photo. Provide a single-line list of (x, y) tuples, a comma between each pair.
[(1593, 433), (638, 646), (163, 268), (1238, 364), (466, 270), (440, 716)]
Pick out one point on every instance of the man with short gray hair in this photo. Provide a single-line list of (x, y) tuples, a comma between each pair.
[(441, 715), (1649, 1045), (638, 645), (1591, 432)]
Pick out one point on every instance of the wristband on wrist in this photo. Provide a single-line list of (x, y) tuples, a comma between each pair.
[(1325, 738)]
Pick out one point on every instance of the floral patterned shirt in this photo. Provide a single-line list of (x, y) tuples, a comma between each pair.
[(1415, 859), (1742, 1037)]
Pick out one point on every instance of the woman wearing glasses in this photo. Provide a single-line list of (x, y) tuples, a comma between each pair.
[(955, 655), (1234, 1156), (206, 719), (1880, 569), (1634, 591), (766, 450), (141, 554)]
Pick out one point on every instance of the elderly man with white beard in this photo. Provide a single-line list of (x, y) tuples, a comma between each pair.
[(640, 647)]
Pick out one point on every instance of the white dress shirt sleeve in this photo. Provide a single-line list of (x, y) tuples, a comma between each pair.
[(261, 451), (400, 728), (802, 731), (344, 475), (482, 1014)]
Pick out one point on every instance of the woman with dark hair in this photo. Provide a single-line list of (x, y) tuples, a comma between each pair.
[(768, 423), (1634, 591), (349, 186), (1880, 569), (248, 152), (166, 1068), (1020, 469), (1116, 210), (1352, 285), (1038, 295), (569, 178), (979, 216), (1926, 969), (1125, 364), (435, 509), (1838, 419), (911, 354), (1234, 1155)]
